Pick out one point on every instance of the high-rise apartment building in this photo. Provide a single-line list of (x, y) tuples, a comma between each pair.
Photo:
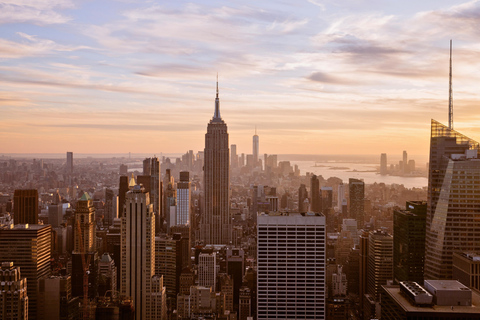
[(217, 224), (356, 190), (69, 164), (409, 242), (453, 196), (138, 251), (25, 206), (29, 248), (256, 145), (13, 293), (291, 266)]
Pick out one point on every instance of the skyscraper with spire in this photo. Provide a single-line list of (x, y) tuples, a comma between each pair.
[(217, 224)]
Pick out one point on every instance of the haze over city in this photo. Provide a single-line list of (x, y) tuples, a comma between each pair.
[(315, 77)]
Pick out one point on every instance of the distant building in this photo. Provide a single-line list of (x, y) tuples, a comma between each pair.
[(302, 196), (383, 164), (316, 203), (282, 264), (69, 165), (217, 225), (25, 206), (255, 152), (356, 192)]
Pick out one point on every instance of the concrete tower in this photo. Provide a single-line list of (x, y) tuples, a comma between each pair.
[(217, 224)]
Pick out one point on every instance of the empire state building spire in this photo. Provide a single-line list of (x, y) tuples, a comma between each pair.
[(216, 115)]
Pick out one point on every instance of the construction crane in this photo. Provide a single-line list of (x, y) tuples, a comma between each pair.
[(85, 266)]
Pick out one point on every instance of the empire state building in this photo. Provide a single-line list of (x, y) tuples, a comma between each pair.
[(217, 224)]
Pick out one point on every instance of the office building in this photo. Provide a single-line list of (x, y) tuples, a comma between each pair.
[(166, 265), (453, 195), (69, 164), (255, 152), (122, 191), (409, 242), (437, 300), (29, 248), (207, 274), (217, 224), (379, 269), (25, 206), (85, 218), (383, 164), (316, 202), (183, 199), (151, 168), (55, 217), (107, 273), (111, 207), (55, 299), (404, 167), (138, 251), (302, 198), (291, 266), (466, 269), (356, 190), (13, 293), (234, 156)]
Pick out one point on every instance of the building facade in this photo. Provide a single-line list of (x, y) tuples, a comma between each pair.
[(291, 266)]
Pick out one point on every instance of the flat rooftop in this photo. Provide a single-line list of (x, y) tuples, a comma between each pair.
[(394, 292), (444, 285)]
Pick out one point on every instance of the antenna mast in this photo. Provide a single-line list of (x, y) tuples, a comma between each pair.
[(450, 93)]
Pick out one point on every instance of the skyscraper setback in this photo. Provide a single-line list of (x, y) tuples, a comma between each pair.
[(453, 198), (217, 225)]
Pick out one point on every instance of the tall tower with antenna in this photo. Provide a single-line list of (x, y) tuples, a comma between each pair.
[(450, 93)]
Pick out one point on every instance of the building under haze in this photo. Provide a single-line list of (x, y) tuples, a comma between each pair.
[(453, 222), (69, 164), (256, 146), (217, 225), (356, 190), (25, 206)]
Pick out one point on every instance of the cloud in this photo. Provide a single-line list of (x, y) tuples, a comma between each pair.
[(37, 12)]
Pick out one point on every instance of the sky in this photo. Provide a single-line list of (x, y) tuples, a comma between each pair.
[(314, 77)]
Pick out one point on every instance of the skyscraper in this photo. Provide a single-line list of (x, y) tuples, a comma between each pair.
[(409, 242), (383, 164), (217, 224), (151, 167), (85, 216), (13, 293), (316, 204), (234, 156), (29, 248), (255, 149), (183, 199), (138, 251), (25, 206), (453, 223), (356, 192), (69, 165), (291, 266)]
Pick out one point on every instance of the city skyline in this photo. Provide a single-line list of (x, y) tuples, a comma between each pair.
[(92, 77)]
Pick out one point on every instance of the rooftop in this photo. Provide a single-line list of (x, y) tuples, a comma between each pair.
[(405, 304)]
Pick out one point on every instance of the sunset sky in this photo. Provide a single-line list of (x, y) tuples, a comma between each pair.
[(315, 77)]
